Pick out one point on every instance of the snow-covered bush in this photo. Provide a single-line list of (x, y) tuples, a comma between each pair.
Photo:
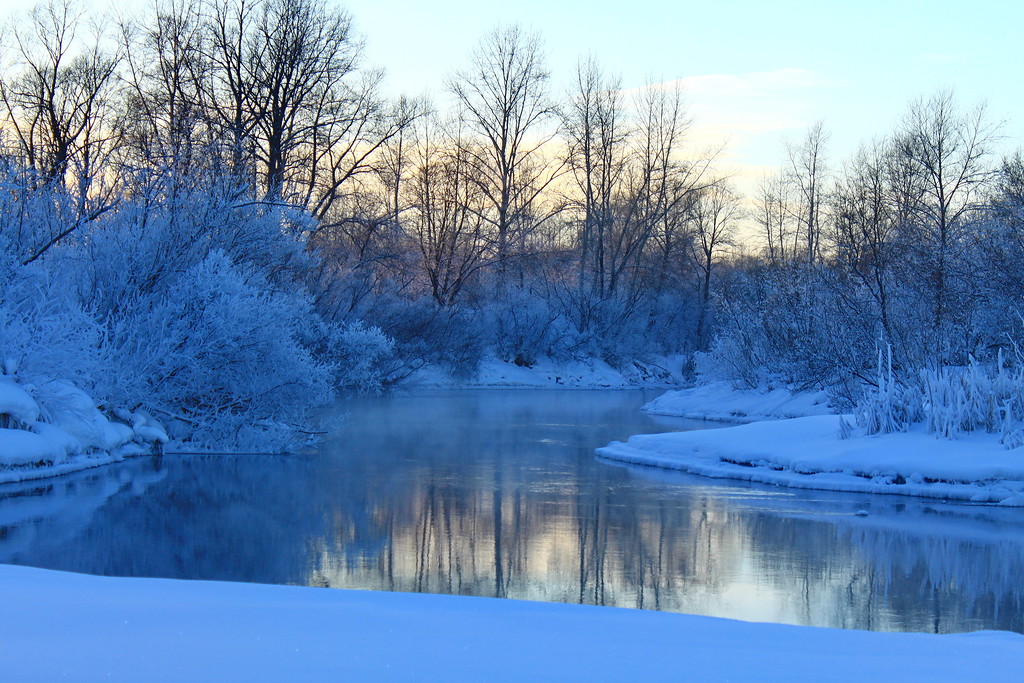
[(976, 398), (949, 401), (891, 405), (219, 352), (613, 328), (355, 351), (33, 215), (152, 239), (524, 326), (451, 337), (43, 330)]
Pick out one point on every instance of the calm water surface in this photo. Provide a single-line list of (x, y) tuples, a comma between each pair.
[(498, 493)]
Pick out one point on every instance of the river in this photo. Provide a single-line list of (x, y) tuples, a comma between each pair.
[(499, 493)]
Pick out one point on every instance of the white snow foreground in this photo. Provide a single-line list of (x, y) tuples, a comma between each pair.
[(720, 401), (56, 428), (806, 452), (85, 628)]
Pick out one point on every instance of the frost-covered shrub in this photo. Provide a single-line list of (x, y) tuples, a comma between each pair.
[(44, 333), (976, 398), (949, 401), (778, 325), (614, 328), (220, 352), (33, 215), (140, 249), (891, 405), (424, 333), (356, 352), (523, 326)]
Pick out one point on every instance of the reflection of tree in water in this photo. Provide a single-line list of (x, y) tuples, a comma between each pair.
[(522, 520), (519, 519), (54, 511), (913, 566), (218, 518)]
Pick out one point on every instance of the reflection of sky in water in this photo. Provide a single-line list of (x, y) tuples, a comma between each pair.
[(499, 493)]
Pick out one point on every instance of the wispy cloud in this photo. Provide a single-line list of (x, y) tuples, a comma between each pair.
[(755, 102), (739, 106), (752, 113)]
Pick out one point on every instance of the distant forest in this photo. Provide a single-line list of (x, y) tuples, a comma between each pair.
[(212, 212)]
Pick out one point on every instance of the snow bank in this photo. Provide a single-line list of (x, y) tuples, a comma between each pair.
[(56, 428), (808, 453), (720, 401), (17, 402), (18, 447), (548, 373), (55, 624)]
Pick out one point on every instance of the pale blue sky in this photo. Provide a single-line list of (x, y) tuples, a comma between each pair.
[(755, 72)]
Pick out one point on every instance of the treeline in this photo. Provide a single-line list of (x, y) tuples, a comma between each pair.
[(910, 249), (212, 211)]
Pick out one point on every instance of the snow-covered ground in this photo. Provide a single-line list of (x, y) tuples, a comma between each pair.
[(58, 625), (720, 401), (807, 452), (545, 372)]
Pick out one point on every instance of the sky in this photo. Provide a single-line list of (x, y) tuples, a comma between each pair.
[(755, 73)]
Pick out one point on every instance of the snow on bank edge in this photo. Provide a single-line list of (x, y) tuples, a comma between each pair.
[(55, 624), (807, 453), (75, 435), (721, 402)]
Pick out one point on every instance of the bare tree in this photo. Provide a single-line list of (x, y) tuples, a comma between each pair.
[(773, 216), (57, 106), (447, 217), (658, 186), (807, 173), (299, 54), (946, 151), (303, 120), (504, 99), (231, 92), (166, 71), (866, 225), (714, 215), (595, 125)]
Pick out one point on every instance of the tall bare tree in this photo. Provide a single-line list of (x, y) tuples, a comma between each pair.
[(773, 217), (166, 70), (658, 187), (595, 125), (504, 99), (866, 225), (714, 213), (807, 173), (303, 120), (946, 151), (447, 215)]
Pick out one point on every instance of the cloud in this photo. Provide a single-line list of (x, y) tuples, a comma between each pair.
[(752, 113), (760, 101)]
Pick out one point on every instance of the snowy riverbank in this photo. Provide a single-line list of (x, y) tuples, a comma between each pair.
[(56, 624), (720, 401), (807, 452), (56, 428)]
